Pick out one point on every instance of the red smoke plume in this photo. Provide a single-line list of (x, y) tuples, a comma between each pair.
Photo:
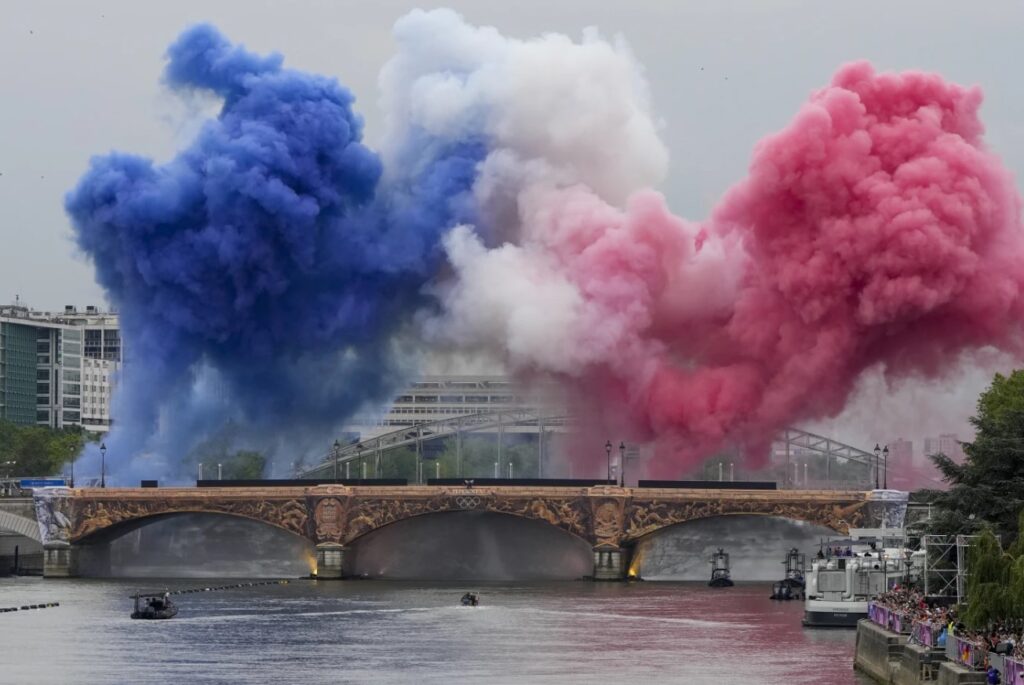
[(874, 229)]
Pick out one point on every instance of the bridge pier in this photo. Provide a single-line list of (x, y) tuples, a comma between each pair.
[(610, 563), (60, 560), (330, 559)]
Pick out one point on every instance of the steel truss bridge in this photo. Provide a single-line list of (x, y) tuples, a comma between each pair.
[(542, 423)]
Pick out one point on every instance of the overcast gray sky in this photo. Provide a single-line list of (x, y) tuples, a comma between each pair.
[(80, 78)]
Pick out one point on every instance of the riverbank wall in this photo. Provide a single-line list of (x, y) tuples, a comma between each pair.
[(889, 659)]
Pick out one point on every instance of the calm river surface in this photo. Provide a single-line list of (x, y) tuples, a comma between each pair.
[(415, 632)]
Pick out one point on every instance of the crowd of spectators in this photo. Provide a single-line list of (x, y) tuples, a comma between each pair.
[(910, 601), (1004, 637)]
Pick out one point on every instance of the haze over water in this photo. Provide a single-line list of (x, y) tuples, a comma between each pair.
[(397, 632)]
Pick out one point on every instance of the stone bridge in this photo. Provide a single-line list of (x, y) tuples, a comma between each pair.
[(610, 519)]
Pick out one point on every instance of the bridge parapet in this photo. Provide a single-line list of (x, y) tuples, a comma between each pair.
[(609, 518)]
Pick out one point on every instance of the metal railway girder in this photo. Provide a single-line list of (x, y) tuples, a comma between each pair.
[(448, 427)]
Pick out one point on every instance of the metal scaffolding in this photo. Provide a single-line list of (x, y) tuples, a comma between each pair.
[(945, 566)]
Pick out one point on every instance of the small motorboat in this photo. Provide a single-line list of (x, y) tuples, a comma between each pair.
[(470, 599), (792, 586), (720, 570), (781, 590), (154, 605)]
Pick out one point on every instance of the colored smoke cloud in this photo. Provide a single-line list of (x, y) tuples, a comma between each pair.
[(875, 230), (268, 273), (263, 273)]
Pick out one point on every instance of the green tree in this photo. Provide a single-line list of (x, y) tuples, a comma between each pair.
[(399, 463), (244, 465), (39, 450), (987, 489), (988, 592)]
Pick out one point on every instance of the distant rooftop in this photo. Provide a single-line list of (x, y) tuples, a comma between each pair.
[(71, 316)]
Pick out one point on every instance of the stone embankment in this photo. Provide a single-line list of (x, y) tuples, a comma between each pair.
[(889, 658)]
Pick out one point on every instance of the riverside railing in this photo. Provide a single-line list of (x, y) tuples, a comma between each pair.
[(1014, 672), (895, 621), (966, 653), (926, 633)]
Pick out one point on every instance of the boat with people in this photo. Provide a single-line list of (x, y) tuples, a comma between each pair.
[(154, 606), (720, 576), (470, 599), (792, 585), (848, 572)]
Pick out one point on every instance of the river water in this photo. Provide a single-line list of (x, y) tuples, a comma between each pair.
[(416, 632)]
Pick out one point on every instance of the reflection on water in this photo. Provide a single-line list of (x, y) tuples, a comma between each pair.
[(470, 545), (449, 545), (199, 545), (757, 546), (397, 632)]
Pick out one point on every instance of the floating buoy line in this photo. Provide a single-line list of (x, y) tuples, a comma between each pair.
[(27, 607), (218, 587), (235, 586)]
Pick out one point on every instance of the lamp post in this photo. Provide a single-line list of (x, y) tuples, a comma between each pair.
[(8, 487), (220, 472), (885, 467), (103, 464), (336, 450), (622, 464), (878, 452), (359, 452), (200, 471), (608, 451)]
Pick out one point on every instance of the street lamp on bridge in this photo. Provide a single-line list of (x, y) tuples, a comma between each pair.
[(878, 452), (882, 458), (103, 464), (622, 463), (336, 450), (608, 451), (885, 467), (362, 473)]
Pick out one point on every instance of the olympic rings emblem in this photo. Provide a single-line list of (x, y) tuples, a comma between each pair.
[(467, 501)]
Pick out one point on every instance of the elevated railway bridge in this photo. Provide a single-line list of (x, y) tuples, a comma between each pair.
[(792, 449)]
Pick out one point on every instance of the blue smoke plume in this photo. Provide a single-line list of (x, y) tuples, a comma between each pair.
[(263, 274)]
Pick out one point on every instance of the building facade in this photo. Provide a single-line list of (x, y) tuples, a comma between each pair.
[(901, 453), (58, 369), (433, 398), (947, 443)]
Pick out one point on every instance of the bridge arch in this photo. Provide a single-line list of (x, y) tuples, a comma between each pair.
[(19, 525), (756, 544), (107, 519), (644, 517), (566, 514), (123, 527), (469, 545)]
